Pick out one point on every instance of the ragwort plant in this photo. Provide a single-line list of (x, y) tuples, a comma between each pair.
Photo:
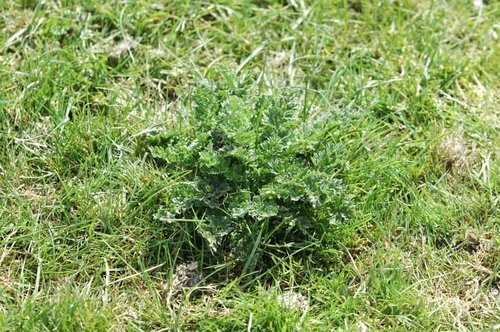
[(258, 177)]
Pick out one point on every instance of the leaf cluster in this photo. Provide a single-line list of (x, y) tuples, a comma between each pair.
[(256, 170)]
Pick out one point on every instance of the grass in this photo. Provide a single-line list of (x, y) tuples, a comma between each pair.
[(413, 88)]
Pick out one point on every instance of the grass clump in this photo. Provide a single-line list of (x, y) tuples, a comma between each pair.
[(254, 171)]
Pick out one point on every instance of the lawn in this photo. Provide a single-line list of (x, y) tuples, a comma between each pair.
[(263, 165)]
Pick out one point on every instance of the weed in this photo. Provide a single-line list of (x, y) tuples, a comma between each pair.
[(257, 171)]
